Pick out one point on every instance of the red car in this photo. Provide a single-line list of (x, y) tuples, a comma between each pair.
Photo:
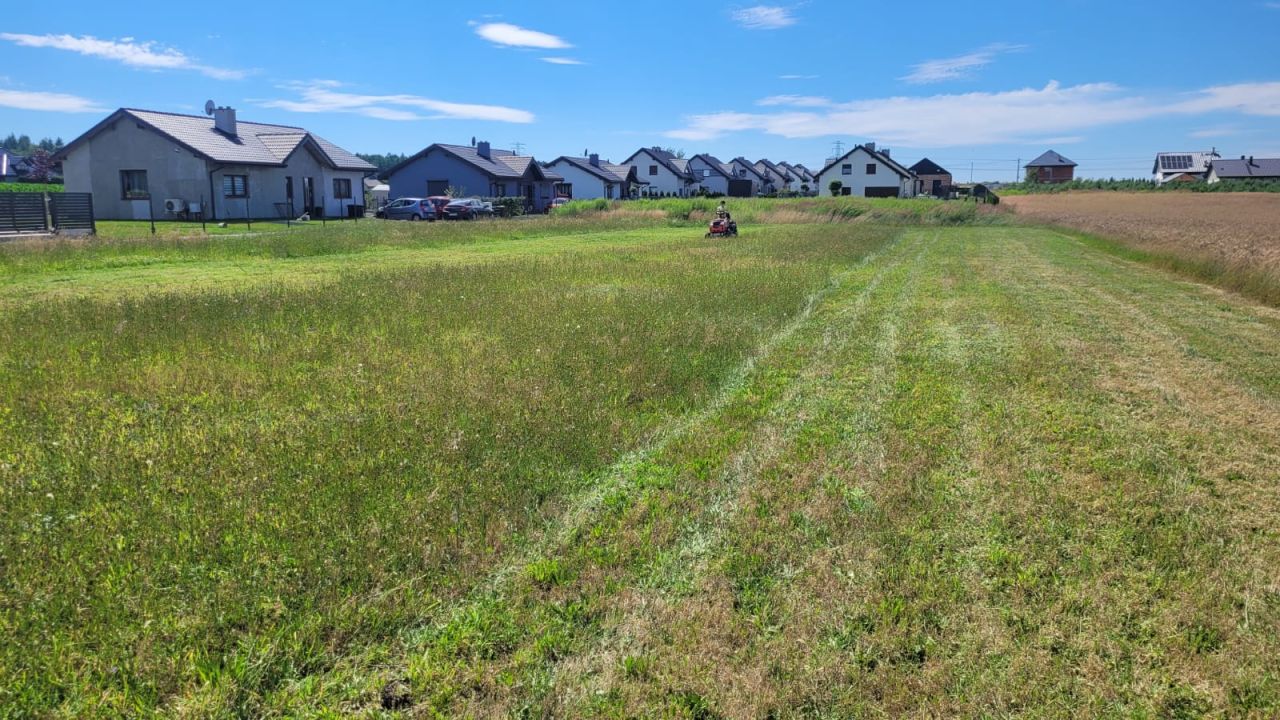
[(439, 201)]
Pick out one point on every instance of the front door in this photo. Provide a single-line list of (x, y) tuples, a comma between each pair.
[(528, 195), (308, 193), (288, 193), (937, 188)]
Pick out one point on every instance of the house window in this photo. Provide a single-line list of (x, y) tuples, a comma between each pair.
[(235, 186), (871, 168), (706, 172), (133, 185), (846, 191), (566, 189), (653, 169), (846, 169), (342, 188), (499, 189)]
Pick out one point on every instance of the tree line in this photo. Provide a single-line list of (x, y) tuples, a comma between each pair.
[(23, 145)]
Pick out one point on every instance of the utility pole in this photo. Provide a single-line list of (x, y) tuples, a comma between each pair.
[(970, 172), (518, 147), (1017, 170), (838, 147)]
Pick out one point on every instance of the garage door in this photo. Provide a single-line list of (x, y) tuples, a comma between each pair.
[(739, 188), (881, 192)]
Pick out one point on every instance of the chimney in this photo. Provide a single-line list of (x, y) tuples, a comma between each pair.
[(224, 120), (870, 146), (482, 149), (884, 152), (595, 159), (1251, 161)]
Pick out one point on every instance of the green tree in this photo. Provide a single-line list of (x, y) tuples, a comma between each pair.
[(835, 187)]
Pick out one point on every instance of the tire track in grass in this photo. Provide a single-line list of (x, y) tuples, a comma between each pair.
[(624, 479), (687, 578), (1164, 487)]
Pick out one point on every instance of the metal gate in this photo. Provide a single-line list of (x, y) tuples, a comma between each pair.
[(72, 211), (23, 213)]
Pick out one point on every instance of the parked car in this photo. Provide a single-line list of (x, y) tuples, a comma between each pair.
[(439, 201), (558, 202), (409, 209), (467, 209)]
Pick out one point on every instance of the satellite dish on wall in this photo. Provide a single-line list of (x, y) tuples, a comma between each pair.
[(209, 107)]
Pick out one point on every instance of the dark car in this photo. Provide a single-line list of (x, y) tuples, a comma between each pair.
[(467, 209), (409, 209)]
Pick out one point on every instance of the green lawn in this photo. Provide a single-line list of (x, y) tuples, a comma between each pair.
[(604, 467)]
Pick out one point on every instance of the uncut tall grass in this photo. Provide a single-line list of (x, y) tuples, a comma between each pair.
[(238, 487)]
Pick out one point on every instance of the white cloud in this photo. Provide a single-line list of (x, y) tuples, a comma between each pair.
[(321, 97), (47, 101), (145, 55), (795, 101), (764, 17), (1247, 98), (1214, 132), (516, 36), (797, 77), (562, 61), (957, 68), (982, 118)]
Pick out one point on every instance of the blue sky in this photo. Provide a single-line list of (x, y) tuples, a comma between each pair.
[(1106, 83)]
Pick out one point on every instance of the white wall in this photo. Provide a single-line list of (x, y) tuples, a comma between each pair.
[(665, 181), (858, 179), (714, 181), (585, 185)]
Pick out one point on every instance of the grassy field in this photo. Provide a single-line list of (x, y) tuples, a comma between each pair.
[(596, 465)]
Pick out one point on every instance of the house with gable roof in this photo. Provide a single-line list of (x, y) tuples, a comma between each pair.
[(867, 172), (1183, 166), (665, 174), (801, 176), (137, 162), (589, 178), (478, 170), (776, 179), (744, 169), (1050, 167), (934, 179), (712, 175)]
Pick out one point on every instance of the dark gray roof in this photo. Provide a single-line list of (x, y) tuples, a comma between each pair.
[(928, 167), (1242, 170), (1050, 159), (605, 170), (501, 164), (664, 158), (893, 164), (253, 144), (748, 165), (770, 167), (714, 163)]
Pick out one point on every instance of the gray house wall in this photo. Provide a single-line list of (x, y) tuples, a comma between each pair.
[(172, 170), (714, 182), (175, 172)]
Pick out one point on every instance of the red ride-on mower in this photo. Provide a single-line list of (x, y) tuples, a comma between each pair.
[(722, 227)]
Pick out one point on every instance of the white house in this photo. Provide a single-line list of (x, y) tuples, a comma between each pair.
[(801, 177), (1185, 166), (662, 174), (711, 174), (775, 178), (140, 163), (588, 178), (743, 169), (866, 172)]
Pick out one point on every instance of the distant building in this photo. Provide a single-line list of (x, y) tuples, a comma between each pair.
[(590, 178), (934, 179), (744, 169), (866, 172), (140, 163), (1246, 168), (1050, 167), (477, 170), (712, 175), (1182, 166), (664, 174)]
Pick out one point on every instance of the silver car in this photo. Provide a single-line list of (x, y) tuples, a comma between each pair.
[(410, 209)]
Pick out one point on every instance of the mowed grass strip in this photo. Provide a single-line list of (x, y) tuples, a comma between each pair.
[(997, 474), (209, 500)]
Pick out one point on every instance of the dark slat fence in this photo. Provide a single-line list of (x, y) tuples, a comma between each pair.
[(25, 213)]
